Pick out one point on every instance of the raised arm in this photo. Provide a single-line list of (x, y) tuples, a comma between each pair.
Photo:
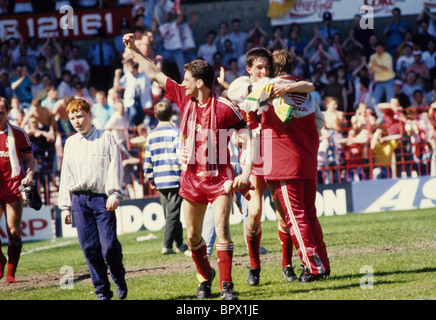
[(149, 68)]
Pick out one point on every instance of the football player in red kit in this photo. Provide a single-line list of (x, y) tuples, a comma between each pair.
[(292, 174), (14, 143), (204, 118)]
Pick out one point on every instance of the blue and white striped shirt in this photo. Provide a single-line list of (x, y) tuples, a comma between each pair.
[(161, 163)]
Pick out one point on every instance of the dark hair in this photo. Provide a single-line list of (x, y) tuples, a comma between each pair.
[(201, 70), (163, 111), (6, 104), (256, 53), (380, 43)]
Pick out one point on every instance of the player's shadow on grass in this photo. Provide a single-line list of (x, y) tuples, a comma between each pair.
[(380, 273)]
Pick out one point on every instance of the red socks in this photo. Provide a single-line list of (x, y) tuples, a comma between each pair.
[(199, 255), (3, 262), (224, 253), (14, 251), (253, 243), (287, 245)]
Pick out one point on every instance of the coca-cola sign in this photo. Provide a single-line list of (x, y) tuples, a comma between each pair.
[(305, 8)]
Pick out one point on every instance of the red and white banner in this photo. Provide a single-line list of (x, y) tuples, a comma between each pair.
[(35, 225), (308, 11), (83, 24)]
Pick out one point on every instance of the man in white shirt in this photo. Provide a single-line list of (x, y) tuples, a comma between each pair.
[(172, 41), (65, 88), (91, 189), (78, 66), (208, 49), (137, 92)]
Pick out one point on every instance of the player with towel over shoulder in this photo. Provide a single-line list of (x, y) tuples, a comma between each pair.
[(207, 124), (14, 143)]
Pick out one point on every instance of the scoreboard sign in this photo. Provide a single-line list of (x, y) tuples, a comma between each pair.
[(67, 23)]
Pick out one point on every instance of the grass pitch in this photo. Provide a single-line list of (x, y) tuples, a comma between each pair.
[(377, 256)]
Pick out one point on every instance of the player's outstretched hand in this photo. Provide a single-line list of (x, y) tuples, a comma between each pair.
[(129, 41)]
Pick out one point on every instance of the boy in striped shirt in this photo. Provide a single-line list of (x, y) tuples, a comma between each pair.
[(162, 169)]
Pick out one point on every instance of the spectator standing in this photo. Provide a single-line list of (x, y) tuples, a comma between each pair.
[(22, 85), (429, 57), (222, 36), (65, 87), (423, 37), (208, 49), (172, 40), (327, 31), (188, 41), (137, 95), (162, 169), (381, 67), (118, 124), (362, 36), (101, 110), (102, 58), (238, 37), (78, 66), (394, 31)]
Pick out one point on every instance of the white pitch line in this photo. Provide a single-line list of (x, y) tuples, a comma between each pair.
[(47, 247)]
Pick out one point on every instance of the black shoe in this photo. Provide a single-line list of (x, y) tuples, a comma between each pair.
[(253, 277), (306, 276), (228, 293), (121, 290), (289, 274), (326, 274), (204, 288)]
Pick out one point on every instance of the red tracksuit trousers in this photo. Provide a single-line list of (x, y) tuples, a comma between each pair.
[(297, 197)]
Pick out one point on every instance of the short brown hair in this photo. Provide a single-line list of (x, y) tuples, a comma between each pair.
[(282, 61), (5, 102), (78, 104), (163, 111)]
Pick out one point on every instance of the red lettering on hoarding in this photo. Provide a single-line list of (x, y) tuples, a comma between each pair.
[(36, 225), (379, 5)]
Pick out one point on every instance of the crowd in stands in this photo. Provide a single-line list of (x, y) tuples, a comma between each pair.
[(377, 94)]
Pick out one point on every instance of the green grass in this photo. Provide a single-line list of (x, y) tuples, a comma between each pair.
[(399, 247)]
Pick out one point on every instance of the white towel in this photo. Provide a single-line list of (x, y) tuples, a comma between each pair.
[(13, 158)]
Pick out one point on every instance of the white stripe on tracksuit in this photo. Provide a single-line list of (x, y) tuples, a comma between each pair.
[(294, 226)]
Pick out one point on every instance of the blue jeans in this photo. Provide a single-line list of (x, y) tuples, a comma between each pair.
[(387, 87), (97, 233)]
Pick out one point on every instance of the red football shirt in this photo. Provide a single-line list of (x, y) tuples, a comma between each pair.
[(22, 146), (227, 116)]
